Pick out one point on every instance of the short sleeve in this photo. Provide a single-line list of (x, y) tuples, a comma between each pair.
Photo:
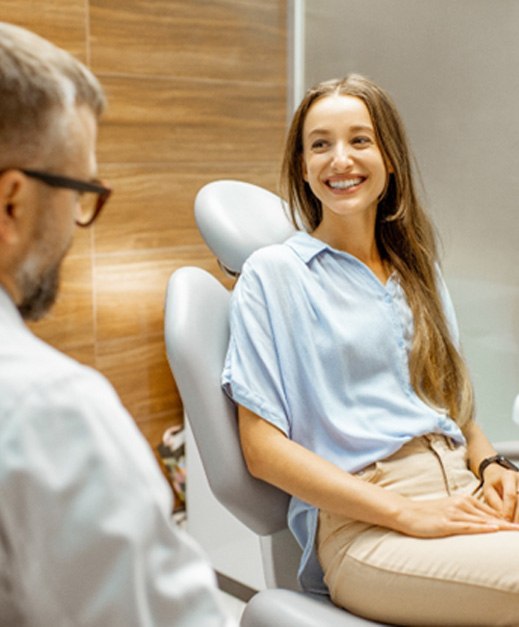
[(252, 374)]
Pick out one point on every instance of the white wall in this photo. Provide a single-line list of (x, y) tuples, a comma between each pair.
[(453, 68)]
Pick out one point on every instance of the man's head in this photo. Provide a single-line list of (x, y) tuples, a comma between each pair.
[(39, 85), (49, 106)]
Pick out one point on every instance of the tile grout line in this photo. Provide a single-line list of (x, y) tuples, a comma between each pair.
[(87, 33), (93, 274)]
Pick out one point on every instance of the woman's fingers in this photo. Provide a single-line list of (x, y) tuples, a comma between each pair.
[(493, 498), (456, 515), (483, 511), (492, 516), (501, 493), (510, 495)]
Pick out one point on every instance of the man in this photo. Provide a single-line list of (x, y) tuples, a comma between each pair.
[(85, 529)]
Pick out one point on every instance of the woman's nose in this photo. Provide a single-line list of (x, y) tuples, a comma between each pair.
[(341, 156)]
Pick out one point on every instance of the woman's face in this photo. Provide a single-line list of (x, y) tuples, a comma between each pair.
[(342, 161)]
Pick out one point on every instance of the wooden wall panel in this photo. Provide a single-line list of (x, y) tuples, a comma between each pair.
[(197, 92), (152, 207), (64, 22), (139, 373), (233, 40), (178, 120)]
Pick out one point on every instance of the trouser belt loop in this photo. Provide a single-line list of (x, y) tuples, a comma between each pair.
[(433, 450), (450, 443)]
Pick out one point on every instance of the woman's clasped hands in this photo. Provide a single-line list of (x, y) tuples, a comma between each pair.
[(466, 514), (501, 492)]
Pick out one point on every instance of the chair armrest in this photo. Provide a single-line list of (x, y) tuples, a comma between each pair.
[(288, 608)]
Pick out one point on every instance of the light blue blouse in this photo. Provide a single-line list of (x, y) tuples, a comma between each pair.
[(319, 348)]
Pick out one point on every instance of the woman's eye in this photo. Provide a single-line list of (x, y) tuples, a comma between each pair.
[(361, 141), (319, 144)]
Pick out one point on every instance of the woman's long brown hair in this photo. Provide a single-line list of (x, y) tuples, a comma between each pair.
[(405, 237)]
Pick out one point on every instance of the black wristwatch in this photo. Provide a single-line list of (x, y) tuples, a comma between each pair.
[(495, 459)]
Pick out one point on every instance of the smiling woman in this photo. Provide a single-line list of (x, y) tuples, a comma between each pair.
[(374, 218), (344, 167), (352, 394)]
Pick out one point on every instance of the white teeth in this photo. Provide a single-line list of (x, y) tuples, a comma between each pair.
[(344, 184)]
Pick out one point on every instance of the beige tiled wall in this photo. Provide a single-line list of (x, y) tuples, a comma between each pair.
[(197, 91)]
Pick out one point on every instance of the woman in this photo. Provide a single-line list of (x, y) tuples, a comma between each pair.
[(352, 394)]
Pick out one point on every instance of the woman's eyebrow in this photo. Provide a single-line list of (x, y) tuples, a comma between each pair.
[(354, 129), (363, 128), (318, 131)]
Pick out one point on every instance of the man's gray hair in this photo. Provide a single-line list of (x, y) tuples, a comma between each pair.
[(39, 85)]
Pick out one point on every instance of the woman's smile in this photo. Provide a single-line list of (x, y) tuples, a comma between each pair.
[(346, 184), (342, 161)]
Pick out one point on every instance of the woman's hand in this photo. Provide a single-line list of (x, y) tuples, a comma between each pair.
[(500, 490), (501, 485), (450, 516)]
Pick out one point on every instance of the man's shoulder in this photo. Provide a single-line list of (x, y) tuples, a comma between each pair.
[(29, 366), (36, 357), (47, 397)]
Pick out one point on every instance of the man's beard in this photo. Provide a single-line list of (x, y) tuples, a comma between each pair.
[(39, 292)]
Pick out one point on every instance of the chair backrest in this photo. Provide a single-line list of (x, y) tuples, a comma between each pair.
[(196, 336), (235, 219)]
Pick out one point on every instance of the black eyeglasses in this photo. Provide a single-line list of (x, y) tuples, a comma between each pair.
[(93, 195)]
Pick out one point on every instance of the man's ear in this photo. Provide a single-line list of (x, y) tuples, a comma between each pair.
[(12, 192)]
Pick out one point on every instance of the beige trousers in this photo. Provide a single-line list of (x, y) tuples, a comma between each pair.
[(467, 580)]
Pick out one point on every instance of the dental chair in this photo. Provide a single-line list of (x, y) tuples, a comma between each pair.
[(236, 218)]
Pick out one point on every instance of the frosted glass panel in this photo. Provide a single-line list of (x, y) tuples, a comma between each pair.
[(452, 67)]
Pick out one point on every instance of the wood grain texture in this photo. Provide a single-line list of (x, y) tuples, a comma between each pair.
[(64, 22), (140, 374), (233, 40), (186, 121), (152, 204)]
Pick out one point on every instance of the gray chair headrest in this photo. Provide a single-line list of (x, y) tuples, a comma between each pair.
[(237, 218)]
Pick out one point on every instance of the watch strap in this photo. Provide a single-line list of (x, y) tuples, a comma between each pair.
[(495, 459)]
